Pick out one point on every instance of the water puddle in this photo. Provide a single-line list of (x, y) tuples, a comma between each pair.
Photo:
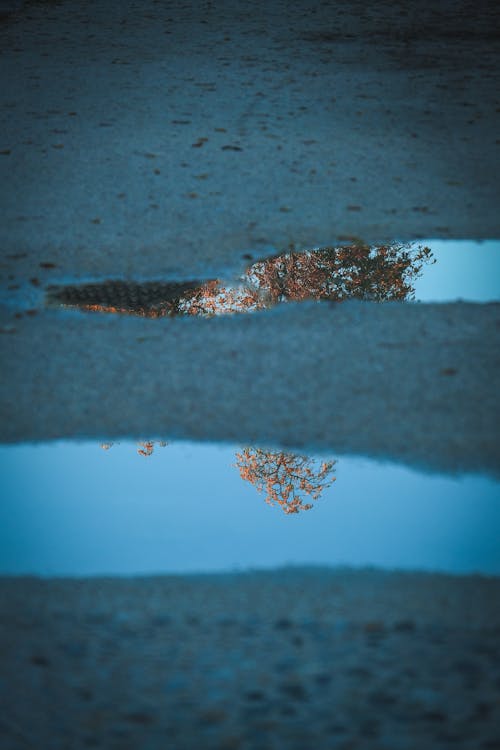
[(152, 299), (335, 274), (427, 271), (84, 509)]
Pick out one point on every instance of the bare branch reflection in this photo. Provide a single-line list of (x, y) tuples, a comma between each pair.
[(286, 478)]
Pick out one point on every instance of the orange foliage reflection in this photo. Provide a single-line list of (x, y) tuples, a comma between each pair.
[(379, 273), (354, 272), (286, 478), (145, 447)]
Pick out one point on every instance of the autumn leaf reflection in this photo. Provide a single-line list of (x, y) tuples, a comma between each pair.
[(355, 272), (377, 274), (386, 272), (286, 478)]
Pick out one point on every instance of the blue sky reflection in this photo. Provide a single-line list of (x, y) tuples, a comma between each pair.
[(75, 509)]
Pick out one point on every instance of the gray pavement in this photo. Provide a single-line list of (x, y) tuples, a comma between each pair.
[(417, 383), (148, 139), (292, 659)]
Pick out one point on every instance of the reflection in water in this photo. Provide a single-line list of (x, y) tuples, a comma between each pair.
[(285, 477), (354, 272), (336, 274), (151, 299), (146, 447), (79, 510)]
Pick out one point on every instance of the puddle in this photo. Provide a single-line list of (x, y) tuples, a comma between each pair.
[(428, 271), (76, 509), (335, 274)]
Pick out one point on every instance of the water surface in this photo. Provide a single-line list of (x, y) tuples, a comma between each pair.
[(75, 509)]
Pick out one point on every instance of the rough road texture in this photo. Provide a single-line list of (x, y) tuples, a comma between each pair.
[(416, 383), (295, 660), (168, 139)]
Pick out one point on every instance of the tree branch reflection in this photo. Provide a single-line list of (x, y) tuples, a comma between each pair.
[(286, 478), (290, 481)]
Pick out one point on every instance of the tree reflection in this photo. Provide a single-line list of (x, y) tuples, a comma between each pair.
[(382, 273), (377, 274), (286, 478), (354, 272), (145, 447), (290, 481)]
